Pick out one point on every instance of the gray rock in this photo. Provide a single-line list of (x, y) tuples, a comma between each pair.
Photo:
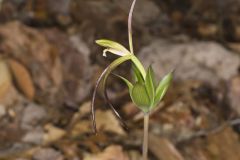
[(2, 110), (32, 116), (13, 149), (59, 6), (141, 10), (34, 136), (36, 55), (206, 61), (234, 93), (77, 70), (47, 154), (108, 8)]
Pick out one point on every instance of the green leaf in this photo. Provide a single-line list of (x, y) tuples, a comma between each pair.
[(137, 75), (128, 83), (150, 84), (140, 97), (153, 77), (162, 87), (138, 65), (113, 47)]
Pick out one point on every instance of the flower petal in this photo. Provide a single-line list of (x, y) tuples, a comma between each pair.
[(114, 51), (112, 45)]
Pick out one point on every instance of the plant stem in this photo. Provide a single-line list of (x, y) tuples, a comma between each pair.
[(130, 26), (145, 137)]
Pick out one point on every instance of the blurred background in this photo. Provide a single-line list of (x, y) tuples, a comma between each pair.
[(49, 64)]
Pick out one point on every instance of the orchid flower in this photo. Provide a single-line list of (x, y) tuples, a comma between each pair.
[(144, 91)]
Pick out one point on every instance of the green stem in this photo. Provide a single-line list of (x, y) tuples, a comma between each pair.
[(145, 137), (130, 26)]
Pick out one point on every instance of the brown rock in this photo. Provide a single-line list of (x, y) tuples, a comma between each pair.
[(234, 93), (217, 144), (141, 10), (109, 18), (77, 71), (220, 145), (31, 49)]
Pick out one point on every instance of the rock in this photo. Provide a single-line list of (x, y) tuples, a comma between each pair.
[(59, 6), (188, 107), (10, 135), (109, 9), (77, 71), (206, 61), (30, 48), (218, 143), (109, 19), (32, 116), (37, 13), (2, 111), (41, 60), (141, 10), (47, 154), (39, 50), (213, 146), (235, 46), (34, 136), (59, 11), (234, 93), (7, 10)]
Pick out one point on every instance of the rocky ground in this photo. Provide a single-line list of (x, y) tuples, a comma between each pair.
[(49, 64)]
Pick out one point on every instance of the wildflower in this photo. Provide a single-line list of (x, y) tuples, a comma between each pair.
[(144, 91)]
